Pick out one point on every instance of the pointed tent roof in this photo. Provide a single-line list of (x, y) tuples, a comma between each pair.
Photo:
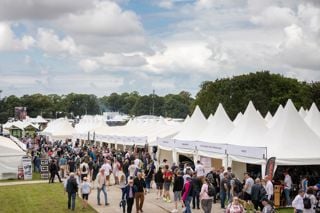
[(275, 116), (249, 130), (238, 118), (218, 128), (302, 112), (313, 119), (268, 117), (193, 127), (210, 118), (291, 140)]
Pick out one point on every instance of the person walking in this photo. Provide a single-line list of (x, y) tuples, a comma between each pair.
[(85, 190), (196, 184), (223, 189), (257, 194), (187, 194), (248, 186), (101, 181), (206, 200), (84, 169), (177, 189), (129, 194), (158, 178), (72, 190), (140, 184), (313, 201), (167, 176), (298, 202), (53, 169)]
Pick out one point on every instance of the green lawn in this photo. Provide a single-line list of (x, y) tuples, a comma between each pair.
[(36, 198)]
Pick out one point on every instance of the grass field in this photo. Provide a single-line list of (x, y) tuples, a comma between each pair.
[(36, 198)]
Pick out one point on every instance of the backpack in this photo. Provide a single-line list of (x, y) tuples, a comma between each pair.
[(211, 190), (237, 185), (84, 168), (307, 203)]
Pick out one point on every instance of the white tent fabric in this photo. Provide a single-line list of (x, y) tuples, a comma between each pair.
[(193, 127), (237, 119), (268, 117), (37, 120), (313, 119), (291, 140), (302, 112), (275, 117), (249, 129), (59, 129), (10, 157), (218, 128)]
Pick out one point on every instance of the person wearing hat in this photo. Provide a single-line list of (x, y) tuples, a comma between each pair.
[(129, 193), (85, 190)]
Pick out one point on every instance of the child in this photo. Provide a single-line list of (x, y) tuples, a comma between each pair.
[(85, 190)]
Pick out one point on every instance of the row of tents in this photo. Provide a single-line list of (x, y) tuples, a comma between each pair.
[(292, 137)]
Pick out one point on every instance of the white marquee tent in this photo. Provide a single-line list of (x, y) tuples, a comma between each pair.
[(313, 119), (10, 158)]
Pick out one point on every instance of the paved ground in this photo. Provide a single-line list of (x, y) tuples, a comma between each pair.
[(151, 204)]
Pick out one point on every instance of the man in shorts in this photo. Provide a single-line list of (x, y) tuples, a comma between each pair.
[(177, 188), (167, 176)]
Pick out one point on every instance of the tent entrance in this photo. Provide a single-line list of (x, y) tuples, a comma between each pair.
[(186, 158)]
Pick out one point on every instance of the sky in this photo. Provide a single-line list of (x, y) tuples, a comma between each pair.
[(104, 46)]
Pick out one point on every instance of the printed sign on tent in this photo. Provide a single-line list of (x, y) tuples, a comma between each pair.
[(185, 144), (246, 151), (27, 168), (211, 147), (165, 142)]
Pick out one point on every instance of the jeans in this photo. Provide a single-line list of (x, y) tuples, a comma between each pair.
[(187, 204), (195, 199), (287, 195), (130, 202), (103, 189), (148, 182), (223, 197), (71, 200)]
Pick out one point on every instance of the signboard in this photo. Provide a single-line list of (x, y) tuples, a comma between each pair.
[(165, 142), (27, 168), (246, 151), (190, 145), (206, 162), (211, 147), (44, 168), (270, 167)]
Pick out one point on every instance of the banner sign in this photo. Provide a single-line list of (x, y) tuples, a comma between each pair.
[(165, 142), (27, 168), (270, 167), (246, 151), (206, 162), (211, 147), (184, 144), (44, 168)]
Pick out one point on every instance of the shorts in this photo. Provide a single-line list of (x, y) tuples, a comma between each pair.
[(85, 196), (107, 177), (83, 175), (159, 186), (246, 196), (167, 186), (177, 195)]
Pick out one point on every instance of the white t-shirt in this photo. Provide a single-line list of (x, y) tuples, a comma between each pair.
[(200, 170), (137, 162), (249, 183), (269, 189), (298, 202), (107, 169), (85, 187), (287, 182), (86, 166), (132, 168)]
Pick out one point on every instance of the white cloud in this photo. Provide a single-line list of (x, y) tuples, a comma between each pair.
[(40, 9), (50, 42), (105, 19), (10, 42), (121, 60), (88, 65), (168, 4)]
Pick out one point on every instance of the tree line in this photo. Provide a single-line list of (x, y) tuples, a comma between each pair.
[(265, 89)]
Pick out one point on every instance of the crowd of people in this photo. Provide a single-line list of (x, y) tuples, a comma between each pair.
[(136, 172)]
